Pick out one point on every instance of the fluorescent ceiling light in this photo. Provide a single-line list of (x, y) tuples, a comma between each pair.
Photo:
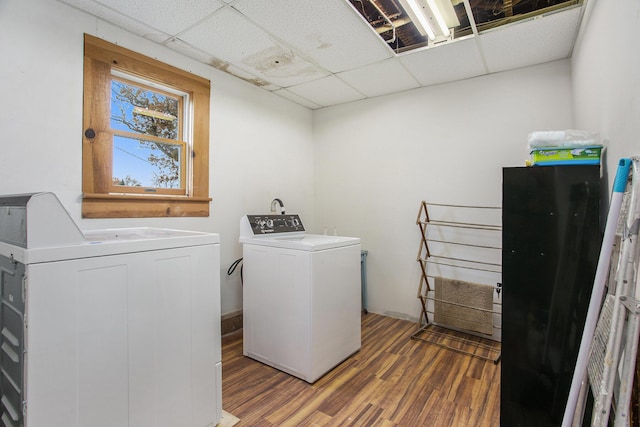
[(431, 17), (439, 18), (418, 17)]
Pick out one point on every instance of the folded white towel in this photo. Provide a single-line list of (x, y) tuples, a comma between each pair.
[(562, 138)]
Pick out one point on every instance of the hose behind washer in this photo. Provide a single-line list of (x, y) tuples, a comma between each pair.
[(233, 267)]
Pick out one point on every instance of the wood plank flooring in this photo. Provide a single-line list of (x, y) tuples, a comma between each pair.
[(392, 381)]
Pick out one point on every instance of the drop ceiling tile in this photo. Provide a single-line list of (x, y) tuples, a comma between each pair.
[(186, 49), (380, 78), (118, 19), (327, 91), (536, 41), (231, 37), (243, 75), (190, 51), (448, 62), (168, 16), (329, 32), (297, 99)]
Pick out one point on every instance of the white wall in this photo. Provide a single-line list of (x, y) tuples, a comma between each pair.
[(254, 134), (606, 78), (374, 160), (377, 159)]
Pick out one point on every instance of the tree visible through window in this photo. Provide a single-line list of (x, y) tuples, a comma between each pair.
[(137, 161), (145, 146)]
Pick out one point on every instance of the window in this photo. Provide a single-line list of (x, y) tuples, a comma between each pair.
[(145, 136), (149, 144)]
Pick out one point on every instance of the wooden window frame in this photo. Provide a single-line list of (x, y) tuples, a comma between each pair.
[(97, 199)]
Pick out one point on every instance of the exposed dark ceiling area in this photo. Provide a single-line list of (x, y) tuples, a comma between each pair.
[(392, 23)]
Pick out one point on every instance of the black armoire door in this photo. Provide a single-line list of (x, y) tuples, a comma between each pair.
[(550, 248)]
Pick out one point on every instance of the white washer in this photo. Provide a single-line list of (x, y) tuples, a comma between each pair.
[(301, 296), (115, 327)]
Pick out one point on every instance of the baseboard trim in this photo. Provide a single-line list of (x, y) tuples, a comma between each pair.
[(231, 322)]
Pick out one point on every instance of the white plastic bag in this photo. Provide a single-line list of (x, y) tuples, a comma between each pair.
[(562, 138)]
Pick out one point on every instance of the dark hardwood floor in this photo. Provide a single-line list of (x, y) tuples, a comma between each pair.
[(392, 381)]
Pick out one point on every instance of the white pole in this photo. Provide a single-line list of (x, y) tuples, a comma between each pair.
[(623, 398), (600, 280)]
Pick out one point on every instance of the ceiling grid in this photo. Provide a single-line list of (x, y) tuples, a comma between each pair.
[(319, 54)]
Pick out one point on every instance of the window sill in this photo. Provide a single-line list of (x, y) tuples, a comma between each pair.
[(143, 206)]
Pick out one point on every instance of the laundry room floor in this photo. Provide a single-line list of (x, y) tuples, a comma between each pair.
[(392, 381)]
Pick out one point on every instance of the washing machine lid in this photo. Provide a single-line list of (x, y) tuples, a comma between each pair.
[(287, 232), (306, 242), (36, 227), (116, 241)]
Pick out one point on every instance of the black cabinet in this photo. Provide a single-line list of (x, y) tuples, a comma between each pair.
[(550, 247)]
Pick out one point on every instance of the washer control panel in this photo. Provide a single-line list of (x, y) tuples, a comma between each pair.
[(274, 224)]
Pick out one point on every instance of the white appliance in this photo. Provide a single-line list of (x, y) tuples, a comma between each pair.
[(301, 296), (116, 327)]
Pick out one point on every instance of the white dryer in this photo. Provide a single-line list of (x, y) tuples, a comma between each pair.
[(301, 296), (103, 328)]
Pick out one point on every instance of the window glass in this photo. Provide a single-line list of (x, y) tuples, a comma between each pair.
[(144, 162), (140, 110)]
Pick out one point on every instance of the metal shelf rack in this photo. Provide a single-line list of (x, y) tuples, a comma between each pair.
[(470, 239)]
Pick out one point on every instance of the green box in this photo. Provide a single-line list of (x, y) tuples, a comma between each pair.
[(587, 155)]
